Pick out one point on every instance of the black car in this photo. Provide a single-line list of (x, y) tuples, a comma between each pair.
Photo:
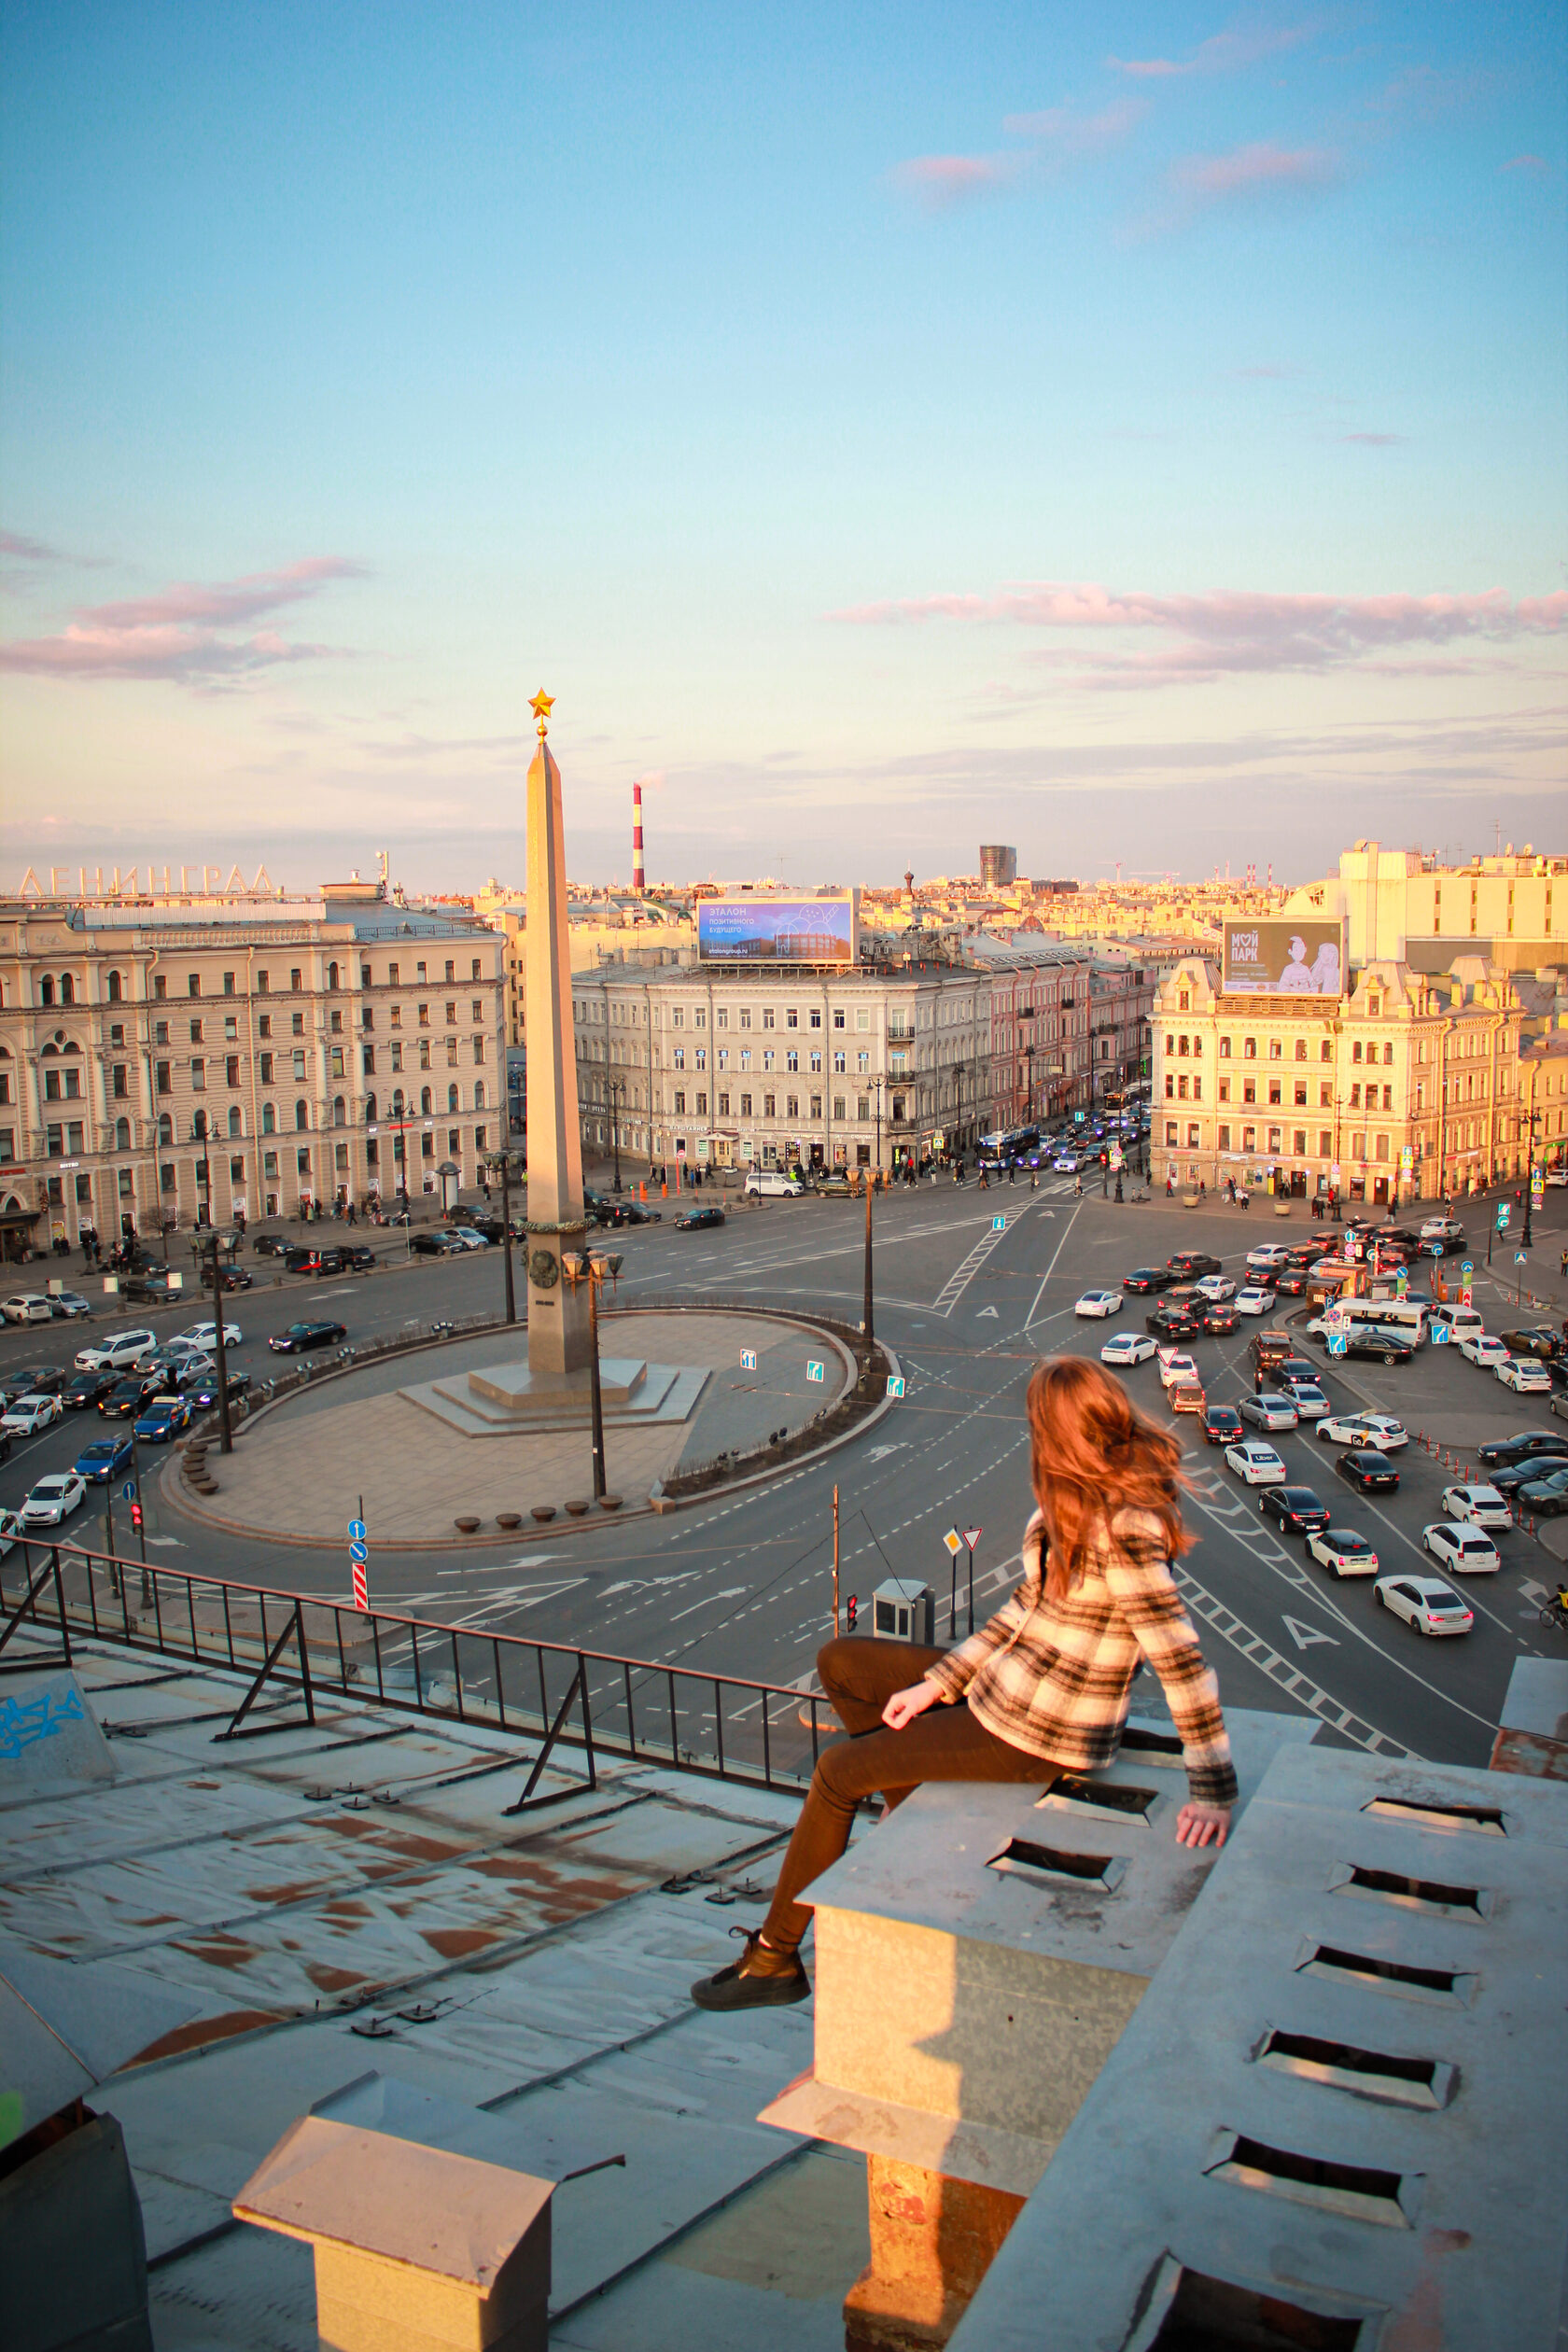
[(1174, 1321), (1509, 1481), (1220, 1424), (1296, 1508), (627, 1212), (48, 1379), (303, 1335), (1191, 1266), (698, 1220), (235, 1278), (271, 1244), (1368, 1471), (1544, 1496), (151, 1289), (1220, 1317), (1291, 1280), (203, 1393), (435, 1244), (1501, 1452), (87, 1388), (1148, 1278), (1450, 1243), (355, 1258), (129, 1396), (1539, 1341), (1386, 1347)]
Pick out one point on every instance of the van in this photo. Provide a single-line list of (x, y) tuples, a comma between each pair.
[(771, 1184), (1460, 1319), (122, 1353), (1272, 1347)]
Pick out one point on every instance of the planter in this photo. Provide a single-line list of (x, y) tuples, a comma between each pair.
[(1189, 1201), (544, 1511), (1282, 1207), (578, 1510), (467, 1525), (508, 1518), (610, 1502)]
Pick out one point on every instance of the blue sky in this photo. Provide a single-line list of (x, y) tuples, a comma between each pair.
[(1136, 433)]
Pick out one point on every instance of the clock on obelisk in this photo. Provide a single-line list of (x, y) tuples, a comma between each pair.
[(558, 1333)]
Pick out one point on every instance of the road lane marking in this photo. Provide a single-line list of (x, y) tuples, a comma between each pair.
[(1261, 1654)]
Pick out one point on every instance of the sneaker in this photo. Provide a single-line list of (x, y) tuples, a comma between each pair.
[(760, 1979)]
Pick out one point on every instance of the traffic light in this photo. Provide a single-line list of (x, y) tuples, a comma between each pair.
[(853, 1612), (135, 1515)]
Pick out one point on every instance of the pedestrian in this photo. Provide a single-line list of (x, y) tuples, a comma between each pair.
[(1202, 1189), (1043, 1689), (1012, 1171)]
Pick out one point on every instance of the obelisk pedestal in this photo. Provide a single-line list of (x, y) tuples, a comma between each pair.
[(559, 1344)]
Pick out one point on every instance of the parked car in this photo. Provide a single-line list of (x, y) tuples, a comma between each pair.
[(467, 1237), (129, 1395), (1221, 1424), (86, 1389), (1372, 1342), (1268, 1411), (629, 1212), (1368, 1471), (772, 1184), (27, 1306), (302, 1337), (29, 1414), (431, 1244), (1257, 1464), (53, 1499), (1343, 1550), (117, 1354), (10, 1528), (1252, 1301), (235, 1278), (699, 1219), (1499, 1452), (104, 1459), (1296, 1508), (150, 1286), (1129, 1346), (1426, 1603), (1148, 1278), (1462, 1551), (357, 1258), (1521, 1474), (69, 1305), (1525, 1376), (1476, 1506), (1099, 1303), (1191, 1266), (1365, 1429), (163, 1418), (1546, 1495)]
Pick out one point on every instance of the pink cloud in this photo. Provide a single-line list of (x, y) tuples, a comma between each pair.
[(1060, 132), (1257, 169), (938, 182), (174, 635), (28, 551), (1226, 632), (1223, 53), (1376, 440), (1536, 164)]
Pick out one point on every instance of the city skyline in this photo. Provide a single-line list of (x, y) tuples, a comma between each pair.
[(1136, 438)]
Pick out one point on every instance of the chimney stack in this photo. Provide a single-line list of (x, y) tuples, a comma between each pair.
[(639, 880)]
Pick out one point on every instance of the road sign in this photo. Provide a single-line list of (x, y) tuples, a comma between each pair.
[(999, 1224), (359, 1554), (128, 1491), (1466, 1297), (1440, 1335), (1466, 1268), (1519, 1257), (1116, 1157), (748, 1359), (1338, 1345), (895, 1384), (356, 1530), (972, 1535), (954, 1541), (1502, 1216), (815, 1372), (361, 1589)]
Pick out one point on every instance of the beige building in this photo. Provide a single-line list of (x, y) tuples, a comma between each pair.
[(1406, 1089), (209, 1057), (599, 931), (1403, 903)]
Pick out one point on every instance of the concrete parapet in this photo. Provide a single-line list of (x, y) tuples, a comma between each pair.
[(1532, 1730)]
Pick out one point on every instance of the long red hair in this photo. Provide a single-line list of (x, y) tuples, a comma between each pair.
[(1093, 1454)]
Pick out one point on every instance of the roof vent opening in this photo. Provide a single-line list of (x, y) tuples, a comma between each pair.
[(1362, 2192), (1486, 1818), (1073, 1793), (1215, 2314), (1367, 2074), (1453, 1987), (1055, 1866), (1430, 1896)]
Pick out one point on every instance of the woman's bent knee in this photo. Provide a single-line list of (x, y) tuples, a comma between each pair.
[(836, 1660)]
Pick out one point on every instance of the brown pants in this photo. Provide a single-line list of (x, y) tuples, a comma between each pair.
[(945, 1743)]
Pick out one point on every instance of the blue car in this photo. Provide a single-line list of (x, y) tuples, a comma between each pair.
[(163, 1418), (104, 1459)]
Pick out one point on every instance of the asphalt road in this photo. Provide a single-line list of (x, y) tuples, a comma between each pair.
[(742, 1583)]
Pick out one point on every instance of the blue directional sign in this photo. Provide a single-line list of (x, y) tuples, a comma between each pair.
[(1502, 1216), (1467, 1267), (999, 1224), (748, 1359), (1338, 1345), (895, 1384), (128, 1491), (358, 1553), (357, 1531), (815, 1372), (1440, 1335)]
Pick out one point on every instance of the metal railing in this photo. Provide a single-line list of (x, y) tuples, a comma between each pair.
[(297, 1649)]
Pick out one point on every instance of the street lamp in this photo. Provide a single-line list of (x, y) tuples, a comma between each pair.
[(616, 1089), (502, 1164), (1028, 1085), (584, 1266), (958, 1105), (204, 1166), (1527, 1237)]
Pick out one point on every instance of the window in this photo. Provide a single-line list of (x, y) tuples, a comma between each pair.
[(297, 1025), (294, 977), (724, 1106), (768, 1109), (1300, 1094), (159, 985), (1171, 1086), (1224, 1049), (475, 973), (1193, 1134), (1301, 1049), (1182, 1046), (862, 1018), (1225, 1139), (451, 1015), (266, 1069), (425, 1103), (1249, 1089), (1355, 1096), (1275, 1051), (1373, 1006), (792, 1060), (261, 984), (838, 1016), (122, 1135), (451, 1102), (264, 1025), (1388, 1052), (451, 971), (269, 1119), (1197, 1089), (1225, 1090), (198, 1076), (195, 1032), (1273, 1139), (792, 1018), (1388, 1097), (1325, 1049), (301, 1116), (679, 1101), (699, 1019), (838, 1106), (746, 1106), (162, 1079), (678, 1018), (193, 984), (166, 1178), (116, 1033), (234, 1128), (1274, 1091), (115, 988), (1355, 1051), (165, 1128), (299, 1065), (1182, 1085), (1171, 1131), (1249, 1049), (838, 1062), (745, 1016), (302, 1160), (679, 1056), (337, 1061), (702, 1103), (1325, 1094), (1325, 1142)]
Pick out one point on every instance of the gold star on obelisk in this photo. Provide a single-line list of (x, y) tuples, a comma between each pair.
[(541, 706)]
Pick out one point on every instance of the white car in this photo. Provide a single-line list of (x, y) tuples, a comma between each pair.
[(1255, 1462), (1267, 1256), (29, 1414), (1462, 1551), (1426, 1603), (468, 1238), (1217, 1287), (27, 1306), (1525, 1376), (1476, 1506), (1065, 1164), (772, 1184), (10, 1531), (1478, 1347), (1099, 1302), (1255, 1301), (122, 1353), (1379, 1431), (1343, 1550), (201, 1338), (1175, 1368), (1557, 1176), (1129, 1346), (53, 1499)]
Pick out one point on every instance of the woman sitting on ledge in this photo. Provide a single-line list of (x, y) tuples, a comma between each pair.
[(1042, 1688)]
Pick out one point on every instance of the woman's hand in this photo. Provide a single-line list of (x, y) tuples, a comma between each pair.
[(905, 1705), (1202, 1825)]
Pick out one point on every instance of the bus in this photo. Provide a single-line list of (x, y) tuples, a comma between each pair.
[(1352, 1317), (1009, 1143)]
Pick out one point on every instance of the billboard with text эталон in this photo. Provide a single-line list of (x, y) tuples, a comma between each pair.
[(776, 930), (1285, 955)]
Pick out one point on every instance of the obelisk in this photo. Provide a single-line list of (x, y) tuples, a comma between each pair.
[(558, 1335)]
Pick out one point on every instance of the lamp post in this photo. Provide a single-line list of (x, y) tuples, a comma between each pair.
[(583, 1265), (1028, 1085), (615, 1088), (1528, 1236), (501, 1164), (958, 1105)]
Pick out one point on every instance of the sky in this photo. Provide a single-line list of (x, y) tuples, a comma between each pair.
[(1133, 433)]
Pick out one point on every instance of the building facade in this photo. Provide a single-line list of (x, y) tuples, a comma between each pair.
[(193, 1062), (1404, 904), (1405, 1090), (868, 1067)]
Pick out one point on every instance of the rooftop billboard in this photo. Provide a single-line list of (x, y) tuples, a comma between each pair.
[(777, 931), (1287, 954)]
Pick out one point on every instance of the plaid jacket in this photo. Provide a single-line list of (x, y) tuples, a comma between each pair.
[(1053, 1677)]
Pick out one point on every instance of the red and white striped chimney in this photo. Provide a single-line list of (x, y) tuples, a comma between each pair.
[(639, 880)]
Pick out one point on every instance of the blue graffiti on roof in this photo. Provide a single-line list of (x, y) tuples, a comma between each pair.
[(24, 1722)]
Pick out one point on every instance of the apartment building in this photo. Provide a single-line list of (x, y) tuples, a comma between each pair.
[(1406, 1089), (1511, 908), (195, 1061)]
